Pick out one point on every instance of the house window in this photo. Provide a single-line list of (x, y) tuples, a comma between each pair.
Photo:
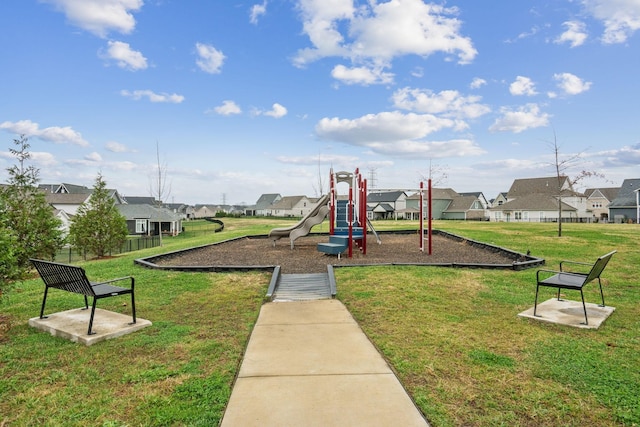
[(517, 216), (498, 216), (525, 215), (141, 226)]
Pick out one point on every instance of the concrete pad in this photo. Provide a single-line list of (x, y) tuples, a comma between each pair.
[(322, 401), (304, 312), (73, 324), (309, 363), (570, 313)]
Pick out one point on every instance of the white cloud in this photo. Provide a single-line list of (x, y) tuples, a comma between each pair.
[(43, 158), (571, 84), (361, 75), (210, 59), (522, 86), (56, 134), (277, 111), (477, 83), (526, 117), (396, 134), (621, 18), (377, 33), (257, 10), (627, 155), (227, 108), (449, 103), (575, 33), (152, 96), (325, 159), (93, 157), (100, 16), (116, 147), (124, 56)]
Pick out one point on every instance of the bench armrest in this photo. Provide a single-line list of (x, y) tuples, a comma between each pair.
[(574, 263)]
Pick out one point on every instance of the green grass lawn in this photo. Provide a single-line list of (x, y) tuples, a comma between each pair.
[(452, 336)]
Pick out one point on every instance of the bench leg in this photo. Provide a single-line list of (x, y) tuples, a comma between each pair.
[(133, 309), (93, 312), (86, 303), (601, 294), (44, 300), (586, 321), (535, 304)]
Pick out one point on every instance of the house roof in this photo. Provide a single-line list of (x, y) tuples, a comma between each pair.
[(384, 196), (67, 198), (476, 194), (461, 203), (147, 212), (140, 200), (444, 194), (534, 202), (626, 197), (267, 200), (608, 193), (287, 202), (382, 207), (546, 185)]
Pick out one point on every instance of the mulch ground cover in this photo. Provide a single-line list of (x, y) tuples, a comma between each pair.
[(305, 258)]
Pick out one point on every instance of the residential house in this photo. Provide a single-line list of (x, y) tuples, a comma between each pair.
[(598, 200), (186, 211), (448, 204), (205, 211), (387, 204), (262, 205), (500, 199), (479, 195), (540, 200), (624, 207), (466, 207), (69, 197), (149, 220), (292, 206), (65, 221)]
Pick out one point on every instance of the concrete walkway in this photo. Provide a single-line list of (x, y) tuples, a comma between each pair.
[(309, 364)]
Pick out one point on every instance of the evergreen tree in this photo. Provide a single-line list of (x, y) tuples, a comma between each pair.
[(8, 262), (98, 227), (27, 219)]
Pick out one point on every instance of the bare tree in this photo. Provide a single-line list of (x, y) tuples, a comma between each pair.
[(160, 189), (319, 187), (561, 166), (437, 174)]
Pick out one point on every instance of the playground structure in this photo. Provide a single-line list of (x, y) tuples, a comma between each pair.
[(304, 226), (348, 221), (347, 217)]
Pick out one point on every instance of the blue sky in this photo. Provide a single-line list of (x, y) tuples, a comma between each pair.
[(245, 97)]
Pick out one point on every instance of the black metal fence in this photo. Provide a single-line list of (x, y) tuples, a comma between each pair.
[(69, 255)]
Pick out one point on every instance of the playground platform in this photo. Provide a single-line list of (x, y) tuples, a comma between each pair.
[(309, 363)]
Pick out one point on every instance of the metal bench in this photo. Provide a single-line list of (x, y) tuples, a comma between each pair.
[(74, 279), (572, 280)]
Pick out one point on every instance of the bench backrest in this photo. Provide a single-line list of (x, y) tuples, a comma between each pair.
[(598, 267), (63, 276)]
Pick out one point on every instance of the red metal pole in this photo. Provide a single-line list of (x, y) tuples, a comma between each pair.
[(332, 203), (421, 231), (430, 214), (363, 212), (350, 217)]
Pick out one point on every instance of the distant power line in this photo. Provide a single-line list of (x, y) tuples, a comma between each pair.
[(372, 181)]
